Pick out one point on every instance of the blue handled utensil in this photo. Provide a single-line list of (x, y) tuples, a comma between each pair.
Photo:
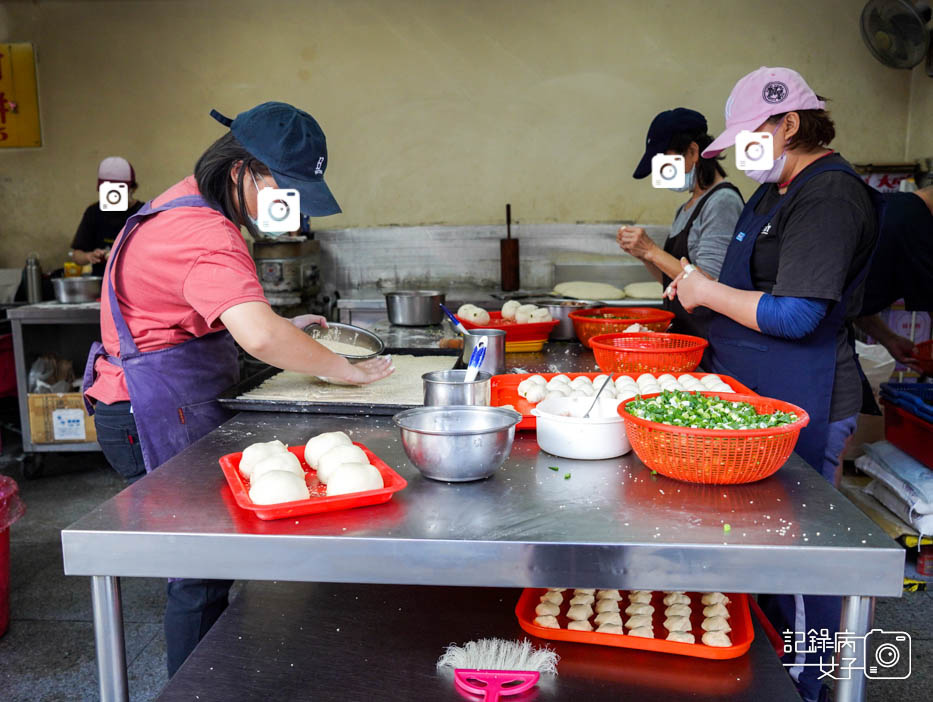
[(456, 322), (476, 360)]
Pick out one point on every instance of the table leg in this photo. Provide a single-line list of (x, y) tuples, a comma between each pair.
[(108, 636), (858, 612)]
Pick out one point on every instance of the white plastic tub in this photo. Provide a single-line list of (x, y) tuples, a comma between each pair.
[(564, 432)]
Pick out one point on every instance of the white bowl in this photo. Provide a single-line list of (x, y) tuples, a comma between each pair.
[(564, 432)]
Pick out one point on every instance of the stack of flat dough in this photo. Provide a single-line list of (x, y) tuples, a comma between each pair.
[(583, 290), (605, 609)]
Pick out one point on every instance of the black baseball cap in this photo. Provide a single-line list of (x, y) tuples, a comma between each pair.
[(292, 144), (663, 128)]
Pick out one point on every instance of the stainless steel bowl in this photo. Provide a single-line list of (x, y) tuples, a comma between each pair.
[(415, 308), (457, 443), (447, 388), (348, 334), (560, 309), (85, 288)]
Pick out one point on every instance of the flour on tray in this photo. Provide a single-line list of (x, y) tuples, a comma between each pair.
[(403, 387)]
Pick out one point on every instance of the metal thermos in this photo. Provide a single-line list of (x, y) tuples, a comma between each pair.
[(33, 279)]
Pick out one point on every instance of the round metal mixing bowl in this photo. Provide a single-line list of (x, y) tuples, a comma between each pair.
[(348, 334), (457, 443)]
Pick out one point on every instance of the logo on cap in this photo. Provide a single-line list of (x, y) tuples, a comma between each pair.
[(317, 168), (774, 92)]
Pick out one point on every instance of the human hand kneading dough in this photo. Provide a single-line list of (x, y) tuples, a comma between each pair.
[(635, 242), (687, 287), (369, 371)]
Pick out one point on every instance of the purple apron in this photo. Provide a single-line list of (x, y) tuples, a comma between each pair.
[(173, 391)]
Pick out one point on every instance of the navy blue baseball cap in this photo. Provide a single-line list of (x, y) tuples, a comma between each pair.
[(663, 128), (292, 144)]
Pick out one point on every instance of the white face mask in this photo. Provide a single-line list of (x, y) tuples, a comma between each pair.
[(255, 222), (773, 174)]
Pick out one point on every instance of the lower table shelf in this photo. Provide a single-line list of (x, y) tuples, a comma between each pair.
[(365, 642)]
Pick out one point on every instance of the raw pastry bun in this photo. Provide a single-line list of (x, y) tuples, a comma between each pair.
[(509, 309), (645, 291), (254, 453), (286, 461), (473, 314), (318, 445), (354, 477), (278, 486), (524, 312), (331, 461)]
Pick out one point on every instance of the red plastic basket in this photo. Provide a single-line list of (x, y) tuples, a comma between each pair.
[(648, 352), (910, 433), (608, 320), (318, 502), (924, 351), (716, 456)]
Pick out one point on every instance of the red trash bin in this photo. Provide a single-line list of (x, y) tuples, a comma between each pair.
[(11, 509)]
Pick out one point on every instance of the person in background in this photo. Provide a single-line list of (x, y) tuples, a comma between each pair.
[(180, 293), (792, 278), (703, 225), (99, 228), (902, 269)]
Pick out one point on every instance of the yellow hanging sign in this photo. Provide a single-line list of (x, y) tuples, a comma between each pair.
[(19, 97)]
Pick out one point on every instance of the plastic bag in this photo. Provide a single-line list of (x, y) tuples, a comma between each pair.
[(50, 374), (11, 507), (876, 362)]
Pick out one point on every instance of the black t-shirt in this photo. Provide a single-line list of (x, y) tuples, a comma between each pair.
[(814, 247), (98, 230), (903, 263)]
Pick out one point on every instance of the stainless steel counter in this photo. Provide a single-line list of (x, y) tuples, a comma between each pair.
[(56, 312), (612, 524)]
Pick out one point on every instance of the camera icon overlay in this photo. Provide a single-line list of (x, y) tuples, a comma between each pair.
[(279, 210), (668, 171), (887, 655), (754, 151), (114, 197)]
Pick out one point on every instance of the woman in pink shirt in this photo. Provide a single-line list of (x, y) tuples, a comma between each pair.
[(180, 293)]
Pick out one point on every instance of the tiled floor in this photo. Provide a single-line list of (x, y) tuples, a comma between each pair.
[(48, 652)]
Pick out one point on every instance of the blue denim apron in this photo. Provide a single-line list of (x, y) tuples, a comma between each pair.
[(800, 371), (173, 391)]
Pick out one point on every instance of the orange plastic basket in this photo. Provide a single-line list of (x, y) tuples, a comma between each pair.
[(648, 352), (607, 320), (716, 456)]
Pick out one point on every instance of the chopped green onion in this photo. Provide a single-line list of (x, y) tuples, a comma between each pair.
[(554, 468), (685, 409), (566, 476), (727, 527)]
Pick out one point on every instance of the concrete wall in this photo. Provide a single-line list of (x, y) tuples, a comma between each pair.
[(437, 112), (920, 128)]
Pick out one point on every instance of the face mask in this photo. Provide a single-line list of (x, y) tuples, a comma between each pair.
[(255, 222), (689, 180), (773, 174)]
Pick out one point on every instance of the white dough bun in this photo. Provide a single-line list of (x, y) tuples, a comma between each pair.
[(332, 460), (318, 445), (254, 453), (278, 486), (354, 477), (286, 461)]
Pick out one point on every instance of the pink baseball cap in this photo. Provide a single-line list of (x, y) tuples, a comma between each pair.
[(757, 96), (117, 170)]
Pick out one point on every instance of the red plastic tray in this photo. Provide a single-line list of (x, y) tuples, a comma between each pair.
[(504, 390), (907, 431), (515, 332), (742, 634), (318, 502)]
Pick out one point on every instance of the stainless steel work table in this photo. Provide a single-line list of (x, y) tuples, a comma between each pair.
[(612, 524)]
